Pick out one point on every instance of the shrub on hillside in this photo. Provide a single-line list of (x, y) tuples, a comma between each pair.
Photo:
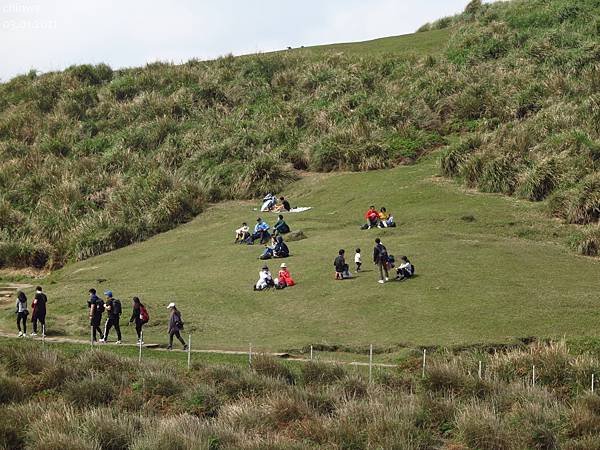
[(11, 389), (92, 391), (321, 373)]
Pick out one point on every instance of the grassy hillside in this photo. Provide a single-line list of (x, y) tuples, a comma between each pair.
[(490, 269), (61, 398), (430, 42), (93, 159)]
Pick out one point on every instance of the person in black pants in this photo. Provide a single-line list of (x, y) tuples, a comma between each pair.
[(381, 259), (113, 309), (22, 313), (175, 326), (39, 311), (138, 318), (96, 308)]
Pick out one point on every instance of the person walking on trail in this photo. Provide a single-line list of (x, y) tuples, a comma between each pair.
[(381, 259), (114, 310), (38, 311), (175, 326), (140, 317), (96, 308), (22, 313)]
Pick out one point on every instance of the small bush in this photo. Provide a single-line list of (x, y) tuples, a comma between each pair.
[(267, 366), (90, 391), (321, 373), (11, 389), (203, 402), (479, 427)]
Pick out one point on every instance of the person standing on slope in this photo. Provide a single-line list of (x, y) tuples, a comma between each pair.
[(175, 326), (381, 259), (22, 312), (140, 317), (96, 308), (114, 310)]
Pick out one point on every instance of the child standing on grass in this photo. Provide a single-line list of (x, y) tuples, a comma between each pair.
[(358, 259), (22, 313)]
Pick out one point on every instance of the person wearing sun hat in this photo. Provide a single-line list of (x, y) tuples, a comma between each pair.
[(284, 278), (175, 326)]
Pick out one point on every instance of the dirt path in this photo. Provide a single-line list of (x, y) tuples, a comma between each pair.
[(155, 347)]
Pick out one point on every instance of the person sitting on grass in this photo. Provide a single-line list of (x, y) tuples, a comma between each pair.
[(242, 233), (405, 270), (284, 278), (281, 227), (261, 231), (281, 250), (372, 217), (265, 279), (385, 220), (269, 249), (342, 270), (283, 205)]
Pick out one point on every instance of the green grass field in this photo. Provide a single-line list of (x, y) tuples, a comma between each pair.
[(503, 275), (424, 43)]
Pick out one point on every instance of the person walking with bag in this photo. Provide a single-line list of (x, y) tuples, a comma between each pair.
[(140, 317), (114, 309), (175, 326), (96, 308), (22, 313)]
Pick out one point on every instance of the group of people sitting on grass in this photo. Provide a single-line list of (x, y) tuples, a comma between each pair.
[(378, 219), (270, 203), (266, 281), (381, 258), (261, 232)]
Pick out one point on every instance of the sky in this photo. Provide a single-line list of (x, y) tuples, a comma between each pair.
[(48, 35)]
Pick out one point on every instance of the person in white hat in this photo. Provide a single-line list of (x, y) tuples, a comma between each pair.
[(175, 326), (284, 278)]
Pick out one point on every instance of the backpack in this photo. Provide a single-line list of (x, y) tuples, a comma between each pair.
[(383, 254), (116, 308), (412, 269), (144, 316)]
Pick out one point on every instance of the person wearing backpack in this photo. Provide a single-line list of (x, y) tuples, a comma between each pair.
[(140, 317), (114, 310), (39, 311), (381, 259), (22, 313), (96, 308), (175, 326)]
